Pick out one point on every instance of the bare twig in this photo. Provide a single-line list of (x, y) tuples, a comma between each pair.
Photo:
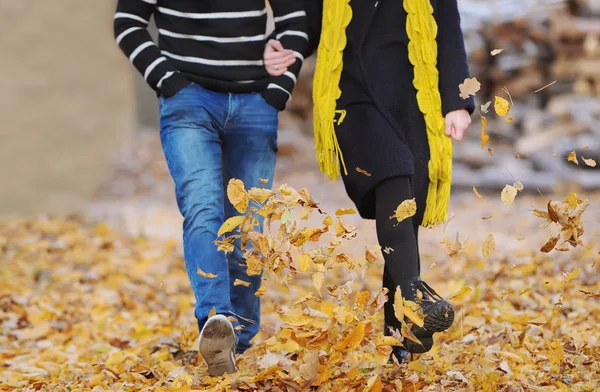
[(546, 86)]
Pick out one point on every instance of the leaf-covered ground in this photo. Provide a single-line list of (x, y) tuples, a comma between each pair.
[(86, 308)]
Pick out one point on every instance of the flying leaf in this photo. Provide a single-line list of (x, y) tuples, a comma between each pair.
[(496, 52), (486, 107), (573, 275), (231, 224), (488, 246), (461, 294), (573, 158), (405, 210), (411, 311), (508, 194), (469, 87), (317, 281), (550, 244), (398, 305), (261, 195), (485, 138), (236, 192), (501, 106), (205, 275), (519, 186), (387, 250), (345, 211), (589, 162), (264, 181), (304, 262), (477, 193), (239, 282), (353, 339), (212, 312), (362, 171)]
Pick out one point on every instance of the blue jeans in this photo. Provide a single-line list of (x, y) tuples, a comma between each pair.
[(208, 138)]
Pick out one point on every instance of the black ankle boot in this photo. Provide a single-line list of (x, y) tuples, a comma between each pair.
[(438, 316), (401, 355)]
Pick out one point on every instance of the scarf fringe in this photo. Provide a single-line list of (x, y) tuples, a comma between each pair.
[(422, 51)]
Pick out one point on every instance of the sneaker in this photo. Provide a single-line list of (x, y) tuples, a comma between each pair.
[(217, 346), (439, 316)]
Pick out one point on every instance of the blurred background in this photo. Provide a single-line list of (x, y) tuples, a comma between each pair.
[(79, 126)]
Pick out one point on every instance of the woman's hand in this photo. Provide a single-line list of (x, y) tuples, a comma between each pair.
[(277, 59), (457, 123)]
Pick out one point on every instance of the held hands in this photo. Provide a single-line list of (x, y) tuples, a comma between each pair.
[(277, 59), (457, 123)]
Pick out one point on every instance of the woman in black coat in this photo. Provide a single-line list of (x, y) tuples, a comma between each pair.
[(384, 135)]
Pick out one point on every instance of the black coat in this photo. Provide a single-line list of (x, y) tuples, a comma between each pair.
[(384, 130)]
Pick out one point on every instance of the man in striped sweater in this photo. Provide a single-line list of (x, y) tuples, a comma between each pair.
[(218, 120)]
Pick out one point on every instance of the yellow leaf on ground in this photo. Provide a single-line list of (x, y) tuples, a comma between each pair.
[(501, 106), (485, 138), (469, 87), (309, 370), (205, 274), (231, 224), (488, 246), (236, 192), (239, 282), (374, 384), (417, 366), (508, 194), (405, 210)]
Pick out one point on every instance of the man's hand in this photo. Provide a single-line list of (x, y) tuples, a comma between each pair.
[(457, 123), (277, 59)]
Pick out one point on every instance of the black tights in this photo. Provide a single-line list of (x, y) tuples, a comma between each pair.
[(402, 262)]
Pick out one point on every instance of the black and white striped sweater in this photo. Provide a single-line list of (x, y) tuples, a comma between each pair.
[(218, 44)]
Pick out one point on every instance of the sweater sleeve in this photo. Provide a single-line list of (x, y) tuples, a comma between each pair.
[(291, 31), (452, 57), (130, 28)]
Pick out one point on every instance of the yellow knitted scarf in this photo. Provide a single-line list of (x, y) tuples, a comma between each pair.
[(422, 52)]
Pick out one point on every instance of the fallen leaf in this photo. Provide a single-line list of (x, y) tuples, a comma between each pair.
[(236, 192), (405, 210), (510, 119), (573, 158), (317, 281), (411, 311), (519, 186), (589, 162), (486, 217), (309, 370), (374, 384), (486, 107), (485, 138), (469, 87), (488, 246), (550, 244), (239, 282), (260, 195), (477, 193), (205, 274), (212, 312), (496, 52), (501, 106), (345, 211), (264, 181), (362, 171), (573, 275), (398, 305), (304, 262), (461, 294), (508, 194), (353, 339), (526, 289), (231, 224)]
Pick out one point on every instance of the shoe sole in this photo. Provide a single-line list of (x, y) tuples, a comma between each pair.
[(439, 319), (217, 345)]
